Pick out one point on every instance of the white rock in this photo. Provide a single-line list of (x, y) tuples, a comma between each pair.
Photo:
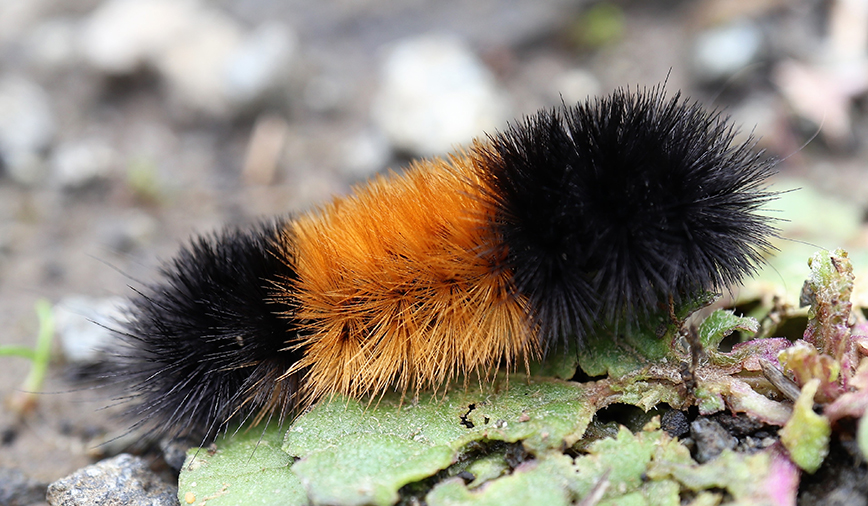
[(194, 64), (17, 17), (208, 61), (27, 168), (27, 127), (577, 85), (261, 63), (365, 154), (51, 44), (26, 120), (122, 35), (77, 164), (721, 52), (83, 325), (325, 94), (436, 94)]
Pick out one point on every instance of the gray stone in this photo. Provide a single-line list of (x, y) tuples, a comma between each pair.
[(711, 439), (51, 44), (577, 85), (122, 35), (83, 325), (17, 489), (260, 64), (364, 154), (122, 480), (436, 94), (198, 50), (78, 164), (326, 94), (194, 65), (721, 52), (27, 127)]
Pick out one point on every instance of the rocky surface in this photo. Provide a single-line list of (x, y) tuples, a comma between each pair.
[(124, 480)]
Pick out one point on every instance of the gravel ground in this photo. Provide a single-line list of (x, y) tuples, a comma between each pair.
[(111, 153)]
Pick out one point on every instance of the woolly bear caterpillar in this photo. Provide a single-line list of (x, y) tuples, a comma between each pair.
[(490, 256)]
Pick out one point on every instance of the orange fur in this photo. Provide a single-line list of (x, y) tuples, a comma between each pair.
[(398, 284)]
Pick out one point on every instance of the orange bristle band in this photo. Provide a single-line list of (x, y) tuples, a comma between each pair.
[(397, 285)]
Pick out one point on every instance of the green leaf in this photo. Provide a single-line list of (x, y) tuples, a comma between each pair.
[(624, 459), (561, 362), (487, 468), (862, 436), (806, 435), (765, 477), (13, 350), (828, 291), (617, 356), (619, 351), (246, 468), (722, 323), (542, 481), (368, 468), (603, 24), (353, 453), (26, 398)]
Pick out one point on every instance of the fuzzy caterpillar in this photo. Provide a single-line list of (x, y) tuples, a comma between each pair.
[(491, 256)]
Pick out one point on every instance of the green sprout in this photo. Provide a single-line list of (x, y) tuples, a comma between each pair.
[(39, 356)]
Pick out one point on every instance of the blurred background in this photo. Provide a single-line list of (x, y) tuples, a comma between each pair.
[(128, 125)]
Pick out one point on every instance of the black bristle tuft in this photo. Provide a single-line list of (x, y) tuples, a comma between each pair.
[(206, 346), (609, 208)]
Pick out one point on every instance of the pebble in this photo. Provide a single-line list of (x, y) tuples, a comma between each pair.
[(17, 18), (194, 65), (120, 36), (261, 63), (710, 438), (83, 326), (18, 488), (577, 85), (364, 154), (738, 425), (211, 63), (326, 94), (78, 164), (175, 452), (436, 94), (51, 44), (675, 423), (122, 480), (721, 52), (27, 127)]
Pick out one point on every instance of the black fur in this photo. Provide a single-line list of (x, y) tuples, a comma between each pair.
[(608, 208), (207, 344)]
